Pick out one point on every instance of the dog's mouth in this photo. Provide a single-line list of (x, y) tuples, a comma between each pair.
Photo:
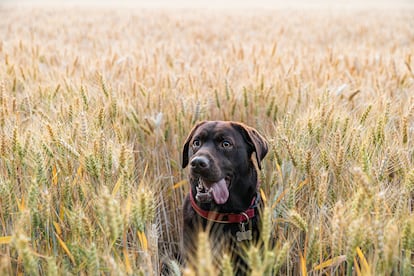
[(217, 191)]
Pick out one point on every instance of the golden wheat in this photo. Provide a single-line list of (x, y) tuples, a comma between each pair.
[(95, 105)]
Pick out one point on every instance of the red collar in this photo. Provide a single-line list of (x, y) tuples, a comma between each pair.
[(224, 217)]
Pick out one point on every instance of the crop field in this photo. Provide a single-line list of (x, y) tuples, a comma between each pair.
[(96, 103)]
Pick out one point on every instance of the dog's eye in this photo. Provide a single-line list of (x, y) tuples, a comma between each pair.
[(226, 144), (196, 143)]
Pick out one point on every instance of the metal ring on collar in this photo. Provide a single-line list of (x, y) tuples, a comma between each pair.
[(246, 216)]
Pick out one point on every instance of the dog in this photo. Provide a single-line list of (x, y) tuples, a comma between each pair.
[(224, 197)]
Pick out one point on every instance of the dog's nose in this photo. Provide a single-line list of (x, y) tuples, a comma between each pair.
[(200, 163)]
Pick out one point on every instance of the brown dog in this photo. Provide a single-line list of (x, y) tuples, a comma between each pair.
[(224, 197)]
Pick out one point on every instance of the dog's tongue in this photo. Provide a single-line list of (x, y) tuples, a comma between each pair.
[(220, 191)]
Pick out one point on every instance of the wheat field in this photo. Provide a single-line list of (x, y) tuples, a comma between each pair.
[(95, 104)]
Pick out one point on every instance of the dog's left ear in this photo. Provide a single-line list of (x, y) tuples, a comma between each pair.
[(255, 140), (186, 146)]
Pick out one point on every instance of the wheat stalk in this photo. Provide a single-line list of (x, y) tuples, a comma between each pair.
[(338, 121)]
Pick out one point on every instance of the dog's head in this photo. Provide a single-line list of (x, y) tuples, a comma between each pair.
[(220, 157)]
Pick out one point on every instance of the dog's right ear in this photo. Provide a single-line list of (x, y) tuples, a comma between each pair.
[(186, 146)]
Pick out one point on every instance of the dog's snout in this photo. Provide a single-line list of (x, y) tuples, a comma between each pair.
[(200, 163)]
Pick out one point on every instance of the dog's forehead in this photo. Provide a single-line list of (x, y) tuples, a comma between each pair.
[(218, 128)]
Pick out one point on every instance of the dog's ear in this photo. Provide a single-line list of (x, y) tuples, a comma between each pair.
[(254, 140), (186, 146)]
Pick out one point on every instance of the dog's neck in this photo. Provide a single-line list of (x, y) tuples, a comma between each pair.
[(226, 218)]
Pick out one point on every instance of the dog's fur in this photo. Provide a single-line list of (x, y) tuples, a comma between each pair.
[(220, 156)]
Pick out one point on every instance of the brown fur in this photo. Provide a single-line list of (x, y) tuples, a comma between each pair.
[(225, 150)]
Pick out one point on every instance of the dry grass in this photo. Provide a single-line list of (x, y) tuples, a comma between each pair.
[(95, 105)]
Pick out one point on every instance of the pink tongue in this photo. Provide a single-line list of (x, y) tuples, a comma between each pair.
[(220, 192)]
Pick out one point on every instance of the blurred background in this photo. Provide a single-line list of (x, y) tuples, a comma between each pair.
[(228, 4)]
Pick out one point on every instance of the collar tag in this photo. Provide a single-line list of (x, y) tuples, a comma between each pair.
[(244, 235)]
